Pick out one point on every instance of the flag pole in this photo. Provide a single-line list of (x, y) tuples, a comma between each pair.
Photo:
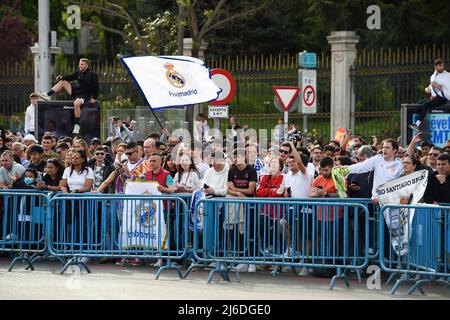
[(154, 114)]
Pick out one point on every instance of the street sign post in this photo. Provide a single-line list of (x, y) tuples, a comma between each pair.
[(224, 80), (287, 96), (307, 81)]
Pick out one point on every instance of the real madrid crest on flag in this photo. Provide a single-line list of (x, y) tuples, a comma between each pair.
[(172, 81), (174, 77)]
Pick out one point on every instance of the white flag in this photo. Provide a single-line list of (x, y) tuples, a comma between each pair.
[(405, 190), (143, 225), (172, 81)]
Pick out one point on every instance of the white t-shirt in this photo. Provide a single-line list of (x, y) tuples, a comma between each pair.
[(190, 179), (299, 183), (202, 167), (77, 180), (29, 118)]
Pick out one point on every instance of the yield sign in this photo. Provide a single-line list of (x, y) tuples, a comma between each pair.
[(286, 95)]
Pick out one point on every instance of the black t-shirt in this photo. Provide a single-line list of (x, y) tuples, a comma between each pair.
[(242, 179), (38, 167), (50, 182)]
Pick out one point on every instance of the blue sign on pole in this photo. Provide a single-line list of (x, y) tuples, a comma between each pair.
[(307, 59)]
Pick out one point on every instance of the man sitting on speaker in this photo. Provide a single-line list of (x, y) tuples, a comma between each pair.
[(87, 90)]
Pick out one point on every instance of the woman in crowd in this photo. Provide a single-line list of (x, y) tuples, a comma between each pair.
[(78, 178), (187, 179), (170, 166), (54, 172), (80, 144), (272, 186)]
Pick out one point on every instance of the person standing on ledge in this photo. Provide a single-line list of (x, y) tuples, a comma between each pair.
[(87, 90), (439, 89)]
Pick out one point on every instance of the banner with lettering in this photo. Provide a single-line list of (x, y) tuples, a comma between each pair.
[(405, 190), (143, 225), (172, 81)]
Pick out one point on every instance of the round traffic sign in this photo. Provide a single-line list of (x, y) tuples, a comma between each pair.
[(309, 95), (224, 80)]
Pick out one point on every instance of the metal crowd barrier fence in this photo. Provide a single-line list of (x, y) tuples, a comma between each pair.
[(415, 243), (23, 218), (317, 234), (118, 226)]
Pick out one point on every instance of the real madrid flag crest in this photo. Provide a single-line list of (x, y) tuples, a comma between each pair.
[(175, 81)]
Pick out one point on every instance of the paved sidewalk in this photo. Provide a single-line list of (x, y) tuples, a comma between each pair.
[(114, 282)]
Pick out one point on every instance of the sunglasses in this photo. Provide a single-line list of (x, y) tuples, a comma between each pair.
[(99, 153), (284, 151), (76, 157), (433, 154), (130, 153)]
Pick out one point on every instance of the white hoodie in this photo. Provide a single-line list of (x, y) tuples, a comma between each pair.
[(217, 180)]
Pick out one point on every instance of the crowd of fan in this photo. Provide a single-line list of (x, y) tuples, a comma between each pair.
[(290, 169)]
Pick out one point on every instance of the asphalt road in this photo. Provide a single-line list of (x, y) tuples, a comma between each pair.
[(114, 282)]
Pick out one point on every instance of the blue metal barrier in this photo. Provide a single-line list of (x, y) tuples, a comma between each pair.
[(23, 224), (316, 234), (419, 254), (118, 226)]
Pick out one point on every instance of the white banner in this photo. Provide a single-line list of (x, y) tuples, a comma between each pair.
[(402, 191), (143, 224), (172, 82), (197, 217)]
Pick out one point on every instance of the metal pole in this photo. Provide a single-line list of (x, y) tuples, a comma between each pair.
[(286, 125), (305, 129), (44, 46)]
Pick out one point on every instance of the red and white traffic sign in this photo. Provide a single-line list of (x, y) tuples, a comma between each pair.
[(308, 102), (224, 80), (309, 95), (286, 95)]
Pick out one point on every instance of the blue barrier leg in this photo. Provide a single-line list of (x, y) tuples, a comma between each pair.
[(391, 277), (404, 278), (222, 270), (24, 259), (339, 275), (418, 285), (75, 262), (194, 265), (169, 266), (46, 256)]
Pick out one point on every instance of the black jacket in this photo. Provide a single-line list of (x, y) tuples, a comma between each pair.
[(87, 84), (436, 191)]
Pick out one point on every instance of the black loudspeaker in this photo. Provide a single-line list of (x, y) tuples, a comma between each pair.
[(57, 117)]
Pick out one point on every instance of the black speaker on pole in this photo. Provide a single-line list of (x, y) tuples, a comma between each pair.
[(57, 117)]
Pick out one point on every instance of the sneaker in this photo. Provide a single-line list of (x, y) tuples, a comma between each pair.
[(84, 260), (212, 265), (123, 261), (11, 236), (136, 263), (288, 252), (241, 267), (158, 264), (251, 268), (304, 272), (44, 96), (76, 129), (414, 127)]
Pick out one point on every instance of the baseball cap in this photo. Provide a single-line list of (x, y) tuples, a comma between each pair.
[(96, 141), (30, 137)]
